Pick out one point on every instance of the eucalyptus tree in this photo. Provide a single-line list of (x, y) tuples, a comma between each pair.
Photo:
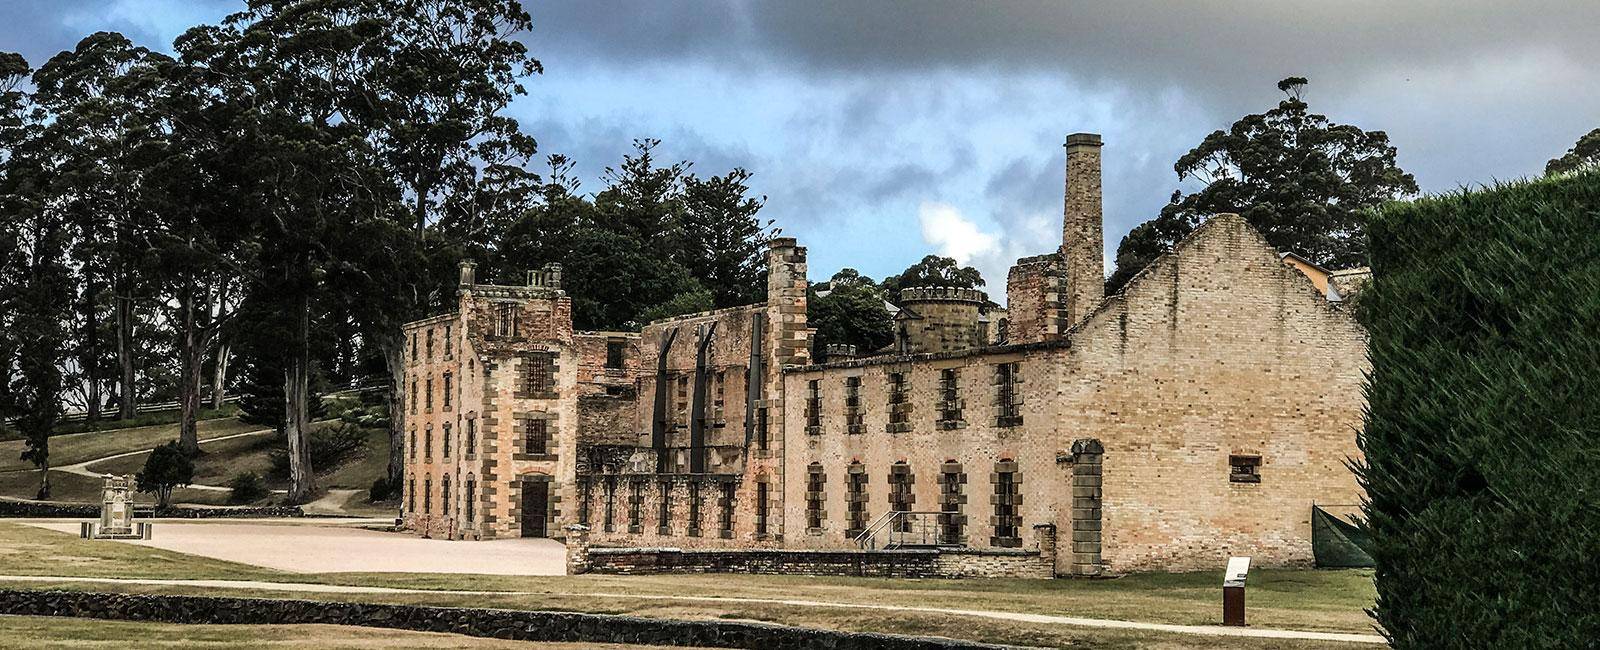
[(305, 174), (102, 135), (36, 294), (1300, 178), (430, 96)]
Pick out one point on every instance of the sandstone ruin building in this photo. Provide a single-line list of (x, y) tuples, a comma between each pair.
[(1199, 412)]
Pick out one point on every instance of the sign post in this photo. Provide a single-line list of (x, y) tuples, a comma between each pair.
[(1233, 591)]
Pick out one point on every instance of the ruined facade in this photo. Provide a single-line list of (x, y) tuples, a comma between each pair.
[(1197, 414)]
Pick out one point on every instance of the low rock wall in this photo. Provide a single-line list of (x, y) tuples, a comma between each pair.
[(497, 623), (918, 563), (38, 510)]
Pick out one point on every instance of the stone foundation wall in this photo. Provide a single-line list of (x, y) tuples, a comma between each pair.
[(910, 563), (567, 627), (31, 509)]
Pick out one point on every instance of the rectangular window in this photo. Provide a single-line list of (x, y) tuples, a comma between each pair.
[(900, 496), (613, 353), (427, 496), (413, 397), (1007, 499), (1244, 469), (763, 437), (447, 440), (411, 495), (664, 515), (429, 354), (816, 483), (726, 502), (814, 407), (412, 448), (472, 436), (1007, 400), (853, 417), (899, 404), (447, 391), (856, 498), (448, 353), (413, 347), (635, 506), (761, 508), (472, 500), (540, 371), (506, 325), (444, 497), (536, 440), (950, 416), (427, 444), (610, 503), (427, 396), (952, 501), (694, 510)]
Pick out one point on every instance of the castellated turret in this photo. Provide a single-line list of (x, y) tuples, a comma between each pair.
[(938, 319)]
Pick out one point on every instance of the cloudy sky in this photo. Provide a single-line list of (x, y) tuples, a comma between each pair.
[(882, 131)]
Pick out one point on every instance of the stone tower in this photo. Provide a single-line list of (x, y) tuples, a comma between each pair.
[(1082, 232)]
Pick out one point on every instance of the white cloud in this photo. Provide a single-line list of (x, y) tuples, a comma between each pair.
[(954, 235)]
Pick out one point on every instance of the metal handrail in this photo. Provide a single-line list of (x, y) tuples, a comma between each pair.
[(905, 527)]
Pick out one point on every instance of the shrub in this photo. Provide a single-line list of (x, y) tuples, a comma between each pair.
[(246, 487), (329, 447), (382, 490), (167, 467), (1482, 436)]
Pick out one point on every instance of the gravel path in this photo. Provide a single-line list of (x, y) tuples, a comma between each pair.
[(300, 587), (318, 547)]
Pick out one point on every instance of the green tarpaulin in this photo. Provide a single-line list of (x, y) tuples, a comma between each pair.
[(1336, 541)]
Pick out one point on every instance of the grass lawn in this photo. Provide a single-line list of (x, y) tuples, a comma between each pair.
[(40, 633), (79, 447), (76, 488), (1290, 599), (224, 459)]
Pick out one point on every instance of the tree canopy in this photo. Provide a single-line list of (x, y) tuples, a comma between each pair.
[(1300, 178), (1585, 154)]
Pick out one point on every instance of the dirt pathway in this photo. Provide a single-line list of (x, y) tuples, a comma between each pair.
[(300, 587)]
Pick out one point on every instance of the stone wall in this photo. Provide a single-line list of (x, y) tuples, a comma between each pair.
[(938, 319), (516, 625), (905, 563), (1217, 350), (34, 509), (1034, 289)]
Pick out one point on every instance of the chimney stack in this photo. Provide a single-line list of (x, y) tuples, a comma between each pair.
[(1082, 232), (469, 274)]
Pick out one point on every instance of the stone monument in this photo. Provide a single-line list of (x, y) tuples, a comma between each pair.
[(116, 511)]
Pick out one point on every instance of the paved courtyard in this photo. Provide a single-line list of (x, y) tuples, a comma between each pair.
[(339, 545)]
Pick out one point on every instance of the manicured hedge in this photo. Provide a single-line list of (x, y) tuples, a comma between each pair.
[(1482, 440)]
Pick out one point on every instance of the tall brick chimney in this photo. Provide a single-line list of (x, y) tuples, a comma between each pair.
[(1082, 232)]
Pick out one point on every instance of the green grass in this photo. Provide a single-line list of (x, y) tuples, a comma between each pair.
[(224, 459), (1288, 599), (41, 633), (78, 447), (76, 488)]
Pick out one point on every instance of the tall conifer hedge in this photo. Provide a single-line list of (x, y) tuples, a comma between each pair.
[(1482, 437)]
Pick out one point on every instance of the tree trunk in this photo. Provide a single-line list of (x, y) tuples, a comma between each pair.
[(126, 408), (219, 376), (91, 360), (191, 352), (297, 419), (394, 359), (44, 481)]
